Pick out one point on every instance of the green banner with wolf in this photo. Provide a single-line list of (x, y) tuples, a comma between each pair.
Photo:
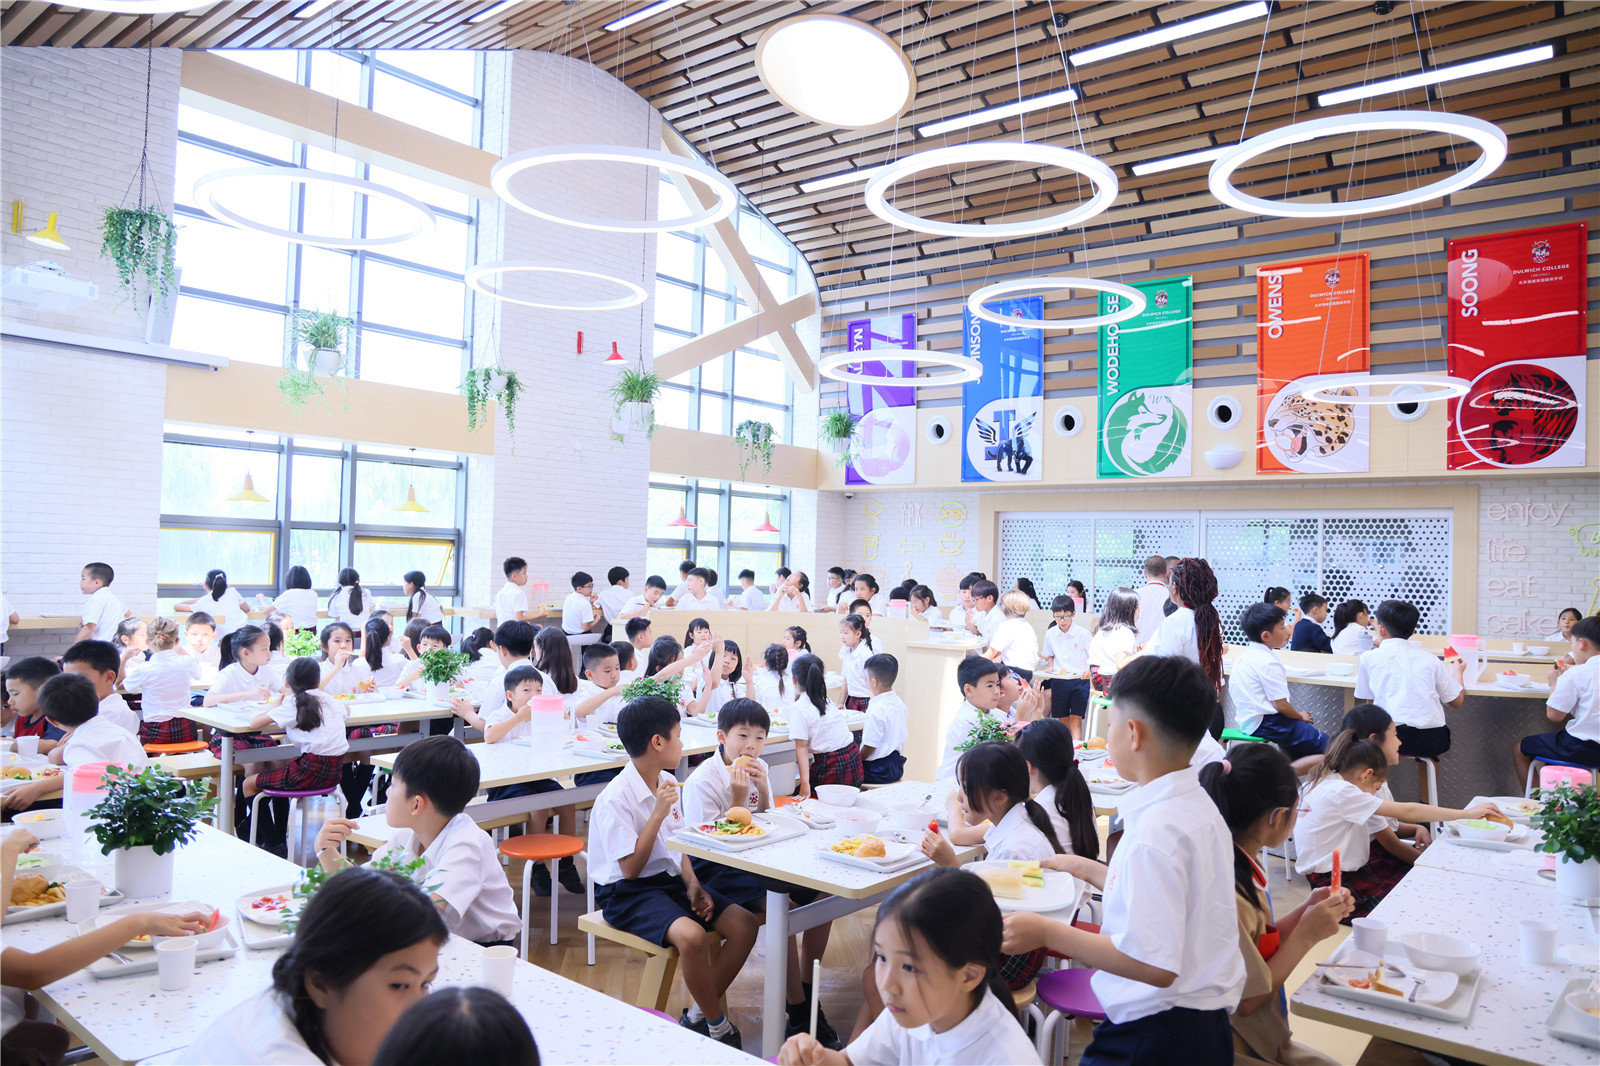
[(1146, 412)]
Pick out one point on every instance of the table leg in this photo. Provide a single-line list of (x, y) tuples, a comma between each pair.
[(776, 976), (225, 787)]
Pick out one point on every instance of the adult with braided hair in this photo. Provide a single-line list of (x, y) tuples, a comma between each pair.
[(1194, 630)]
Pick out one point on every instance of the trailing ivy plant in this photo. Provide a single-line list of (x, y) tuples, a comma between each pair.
[(668, 688), (317, 877), (635, 385), (298, 387), (495, 383), (836, 430), (141, 243), (322, 331), (152, 808), (752, 440)]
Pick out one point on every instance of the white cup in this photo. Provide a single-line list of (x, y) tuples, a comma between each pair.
[(1518, 649), (175, 963), (1538, 942), (83, 900), (1371, 935), (27, 747), (500, 968)]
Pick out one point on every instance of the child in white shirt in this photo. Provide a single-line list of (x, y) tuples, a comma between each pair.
[(1413, 685), (1115, 640), (344, 671), (1059, 787), (855, 648), (102, 611), (883, 741), (511, 721), (162, 682), (1575, 703), (752, 598), (312, 720), (981, 694), (825, 750), (298, 599), (98, 661), (221, 602), (771, 686), (511, 602), (580, 613), (71, 705), (1259, 686), (1066, 652), (1013, 642), (248, 677)]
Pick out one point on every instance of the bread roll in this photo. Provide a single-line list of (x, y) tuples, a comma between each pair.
[(871, 848), (738, 814)]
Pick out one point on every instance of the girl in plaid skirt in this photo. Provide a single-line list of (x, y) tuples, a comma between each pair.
[(825, 750), (162, 682), (855, 648), (311, 719)]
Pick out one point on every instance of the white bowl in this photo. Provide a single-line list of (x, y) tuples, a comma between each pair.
[(837, 795), (46, 825), (1493, 831), (1436, 951), (856, 820), (1341, 669), (1539, 649), (1582, 1003), (906, 819), (392, 693), (1512, 679), (202, 941)]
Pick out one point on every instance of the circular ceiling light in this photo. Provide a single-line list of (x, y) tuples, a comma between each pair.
[(136, 7), (964, 368), (512, 165), (836, 71), (1486, 135), (1318, 389), (978, 301), (478, 275), (1100, 175), (207, 188)]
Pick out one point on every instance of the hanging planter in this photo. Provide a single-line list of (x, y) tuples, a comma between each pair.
[(141, 243), (836, 430), (752, 440), (633, 397), (323, 334), (487, 383)]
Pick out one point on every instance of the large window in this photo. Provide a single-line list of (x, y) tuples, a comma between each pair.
[(239, 287), (724, 537), (328, 505)]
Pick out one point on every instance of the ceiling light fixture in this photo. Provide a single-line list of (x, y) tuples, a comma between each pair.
[(206, 191), (305, 11), (766, 525), (1150, 38), (964, 368), (615, 356), (1439, 74), (411, 503), (977, 303), (640, 15), (1104, 181), (475, 279), (137, 7), (1487, 136), (1177, 162), (512, 165), (682, 521), (493, 10), (247, 489), (834, 181), (995, 114), (49, 237), (1320, 389), (836, 71)]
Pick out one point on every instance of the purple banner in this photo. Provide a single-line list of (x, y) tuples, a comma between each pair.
[(885, 450)]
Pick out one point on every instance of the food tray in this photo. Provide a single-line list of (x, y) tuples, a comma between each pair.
[(146, 962), (1104, 778), (1564, 1022), (258, 937), (1457, 1007), (164, 907), (778, 827), (1061, 891), (1508, 805), (812, 813), (56, 910), (910, 855), (1521, 839)]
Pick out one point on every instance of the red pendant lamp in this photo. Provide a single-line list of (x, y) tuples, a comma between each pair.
[(682, 521), (615, 356), (766, 525)]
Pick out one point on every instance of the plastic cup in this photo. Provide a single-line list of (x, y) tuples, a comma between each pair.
[(500, 968), (83, 900), (1538, 942), (1371, 935), (175, 963), (1517, 648), (27, 747)]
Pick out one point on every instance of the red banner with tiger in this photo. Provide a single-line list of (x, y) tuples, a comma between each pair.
[(1517, 332)]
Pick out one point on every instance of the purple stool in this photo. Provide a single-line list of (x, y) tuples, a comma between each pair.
[(294, 799), (1068, 995), (660, 1014)]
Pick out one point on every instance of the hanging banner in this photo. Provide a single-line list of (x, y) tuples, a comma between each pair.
[(1311, 321), (1517, 314), (1003, 411), (885, 451), (1146, 409)]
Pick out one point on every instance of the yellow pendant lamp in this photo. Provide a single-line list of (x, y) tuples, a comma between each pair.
[(411, 503), (49, 237), (247, 490)]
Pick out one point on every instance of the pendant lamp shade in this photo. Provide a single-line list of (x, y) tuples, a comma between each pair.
[(615, 356), (49, 237), (766, 525), (682, 521), (247, 493), (411, 503)]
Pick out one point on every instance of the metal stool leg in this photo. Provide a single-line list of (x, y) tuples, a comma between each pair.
[(588, 883), (555, 900), (255, 816), (527, 903)]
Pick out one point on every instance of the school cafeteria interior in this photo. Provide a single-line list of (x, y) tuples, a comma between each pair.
[(404, 405)]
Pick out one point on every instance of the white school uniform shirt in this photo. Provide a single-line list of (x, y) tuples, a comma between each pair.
[(619, 813), (690, 602), (1256, 680), (115, 709), (886, 731), (1169, 902), (300, 605), (608, 711), (233, 680), (680, 592), (764, 689), (104, 610), (508, 601), (1176, 636), (801, 602), (576, 612), (752, 599), (611, 600), (1067, 649), (853, 665), (1353, 639), (462, 867), (1335, 814), (492, 701), (960, 728), (725, 692), (349, 680), (822, 732), (328, 738), (1153, 599), (1387, 797), (1047, 799), (990, 621), (1107, 643), (422, 605), (935, 618), (339, 609), (1207, 751), (635, 603), (102, 740), (257, 1032), (1411, 684), (1015, 836), (708, 793), (1558, 637), (989, 1036), (162, 682), (1577, 692), (388, 672), (5, 617), (1017, 644), (230, 611), (834, 595)]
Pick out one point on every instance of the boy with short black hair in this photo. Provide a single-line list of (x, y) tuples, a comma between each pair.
[(1412, 684), (986, 613), (580, 613), (1260, 689), (102, 611), (1066, 650), (836, 589), (627, 661), (751, 599), (684, 569), (72, 703), (1308, 632), (1575, 703), (639, 634), (979, 679), (699, 597), (612, 599), (434, 780), (642, 888), (200, 642), (511, 602), (883, 740), (1168, 948), (23, 679), (655, 587), (99, 662), (599, 695)]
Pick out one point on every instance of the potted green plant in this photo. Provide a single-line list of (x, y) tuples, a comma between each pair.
[(668, 688), (323, 333), (145, 817), (633, 397), (753, 440), (300, 644), (317, 876), (1570, 822), (988, 727), (441, 666), (141, 243), (495, 383), (836, 430)]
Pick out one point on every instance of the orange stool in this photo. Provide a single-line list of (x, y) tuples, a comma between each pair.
[(183, 748), (548, 848)]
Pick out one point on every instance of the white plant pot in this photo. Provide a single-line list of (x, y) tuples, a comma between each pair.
[(632, 422), (1578, 880), (439, 690), (323, 360), (141, 873)]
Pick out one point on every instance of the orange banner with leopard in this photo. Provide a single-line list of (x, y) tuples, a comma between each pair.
[(1311, 326)]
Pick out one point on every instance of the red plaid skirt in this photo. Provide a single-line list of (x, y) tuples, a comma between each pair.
[(243, 740), (1017, 970), (856, 703), (842, 767), (1099, 682), (1370, 883), (308, 773), (172, 731), (387, 729)]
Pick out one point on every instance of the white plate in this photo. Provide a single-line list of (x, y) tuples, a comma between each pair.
[(896, 853), (1510, 806), (1061, 891), (244, 904), (1565, 1023), (55, 910), (813, 813), (148, 943), (1090, 754), (1436, 986), (778, 827)]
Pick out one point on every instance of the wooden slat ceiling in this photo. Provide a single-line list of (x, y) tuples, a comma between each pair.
[(695, 63)]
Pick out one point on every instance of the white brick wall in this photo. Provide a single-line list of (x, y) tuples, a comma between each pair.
[(931, 536), (1530, 565)]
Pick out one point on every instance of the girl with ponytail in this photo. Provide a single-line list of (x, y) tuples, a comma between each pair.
[(771, 686), (1370, 722), (1255, 791), (350, 603), (419, 601), (1058, 785), (935, 961), (855, 648), (1194, 630)]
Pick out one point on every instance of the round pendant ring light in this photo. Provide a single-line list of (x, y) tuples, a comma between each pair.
[(207, 187), (966, 368), (1486, 135), (512, 165), (476, 278), (1104, 181), (836, 71), (1318, 389), (977, 303)]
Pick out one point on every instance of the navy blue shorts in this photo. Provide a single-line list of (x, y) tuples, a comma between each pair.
[(1177, 1034), (884, 771), (1561, 746), (1069, 697), (525, 788), (647, 906), (595, 777), (1298, 739), (746, 889), (1423, 743)]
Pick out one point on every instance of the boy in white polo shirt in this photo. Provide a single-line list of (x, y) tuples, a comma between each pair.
[(102, 611), (752, 598), (1066, 647), (1168, 950), (1412, 684), (99, 662), (579, 612), (434, 780), (883, 758), (69, 703), (511, 602), (1575, 701), (1260, 689), (698, 597), (655, 587)]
